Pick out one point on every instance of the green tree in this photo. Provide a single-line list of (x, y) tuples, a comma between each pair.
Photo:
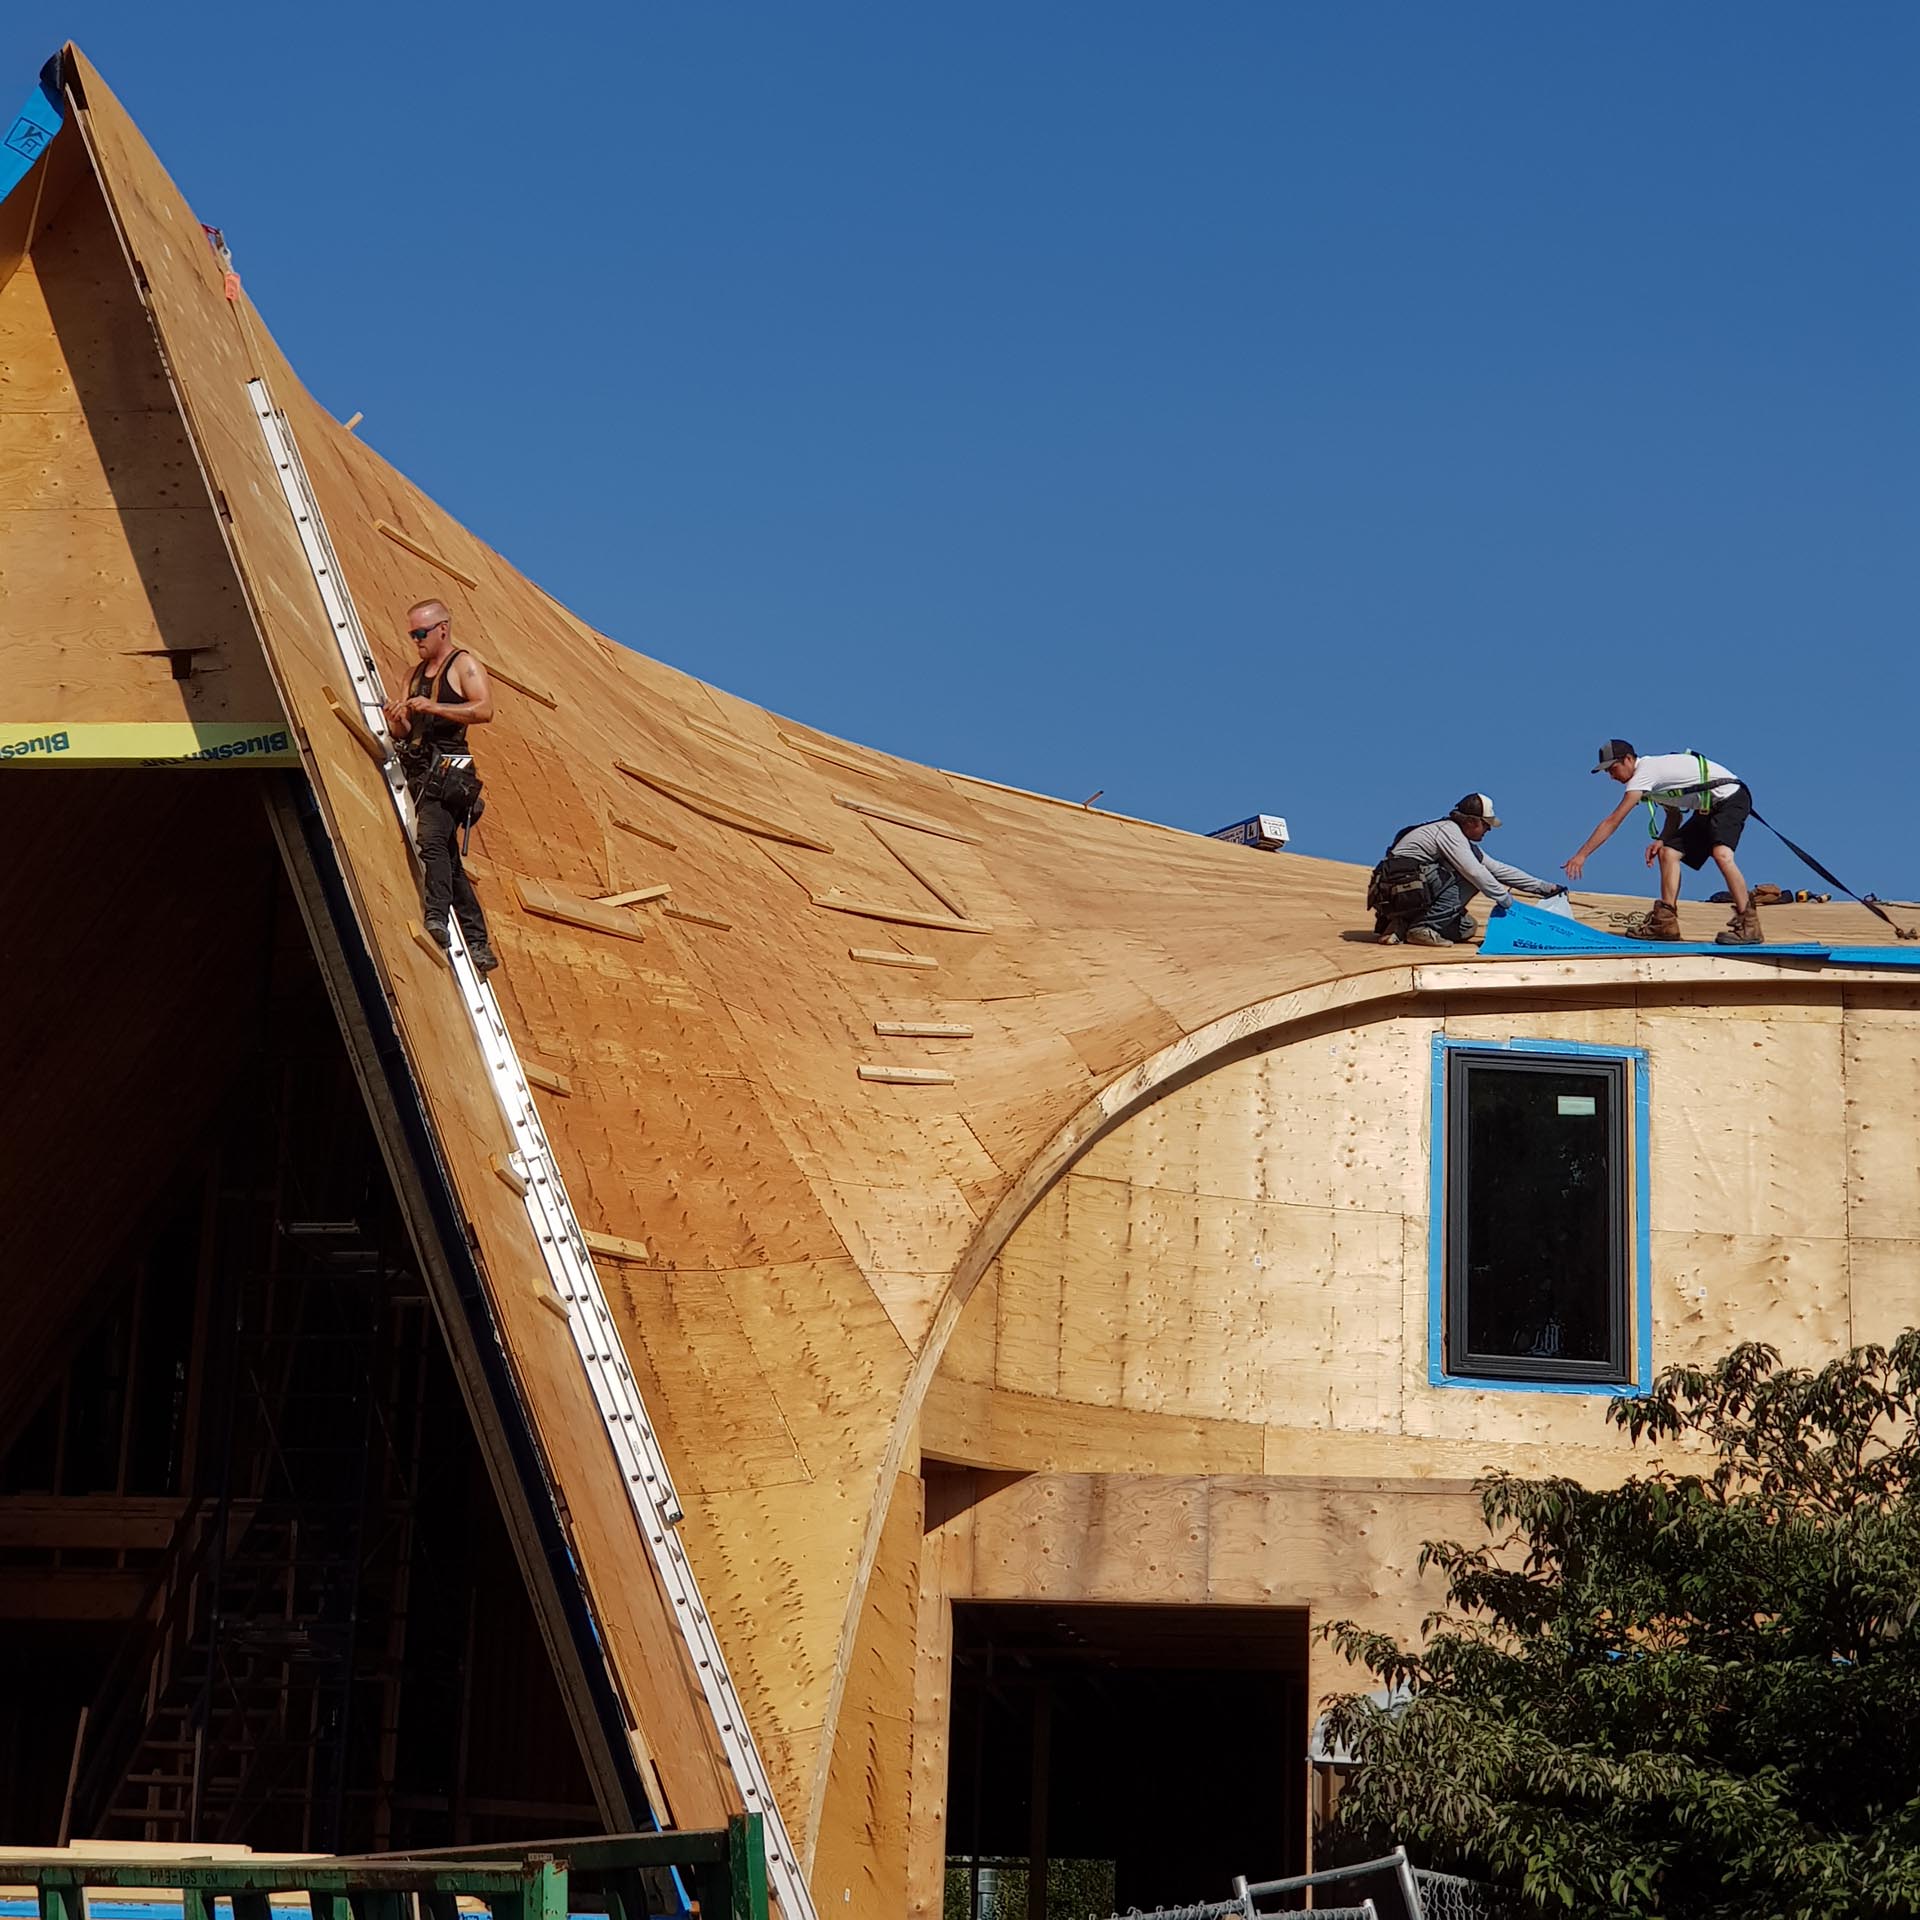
[(1697, 1694)]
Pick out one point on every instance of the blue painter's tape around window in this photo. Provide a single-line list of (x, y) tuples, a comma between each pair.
[(1641, 1278)]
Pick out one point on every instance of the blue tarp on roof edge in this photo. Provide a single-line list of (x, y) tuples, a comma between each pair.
[(1532, 933)]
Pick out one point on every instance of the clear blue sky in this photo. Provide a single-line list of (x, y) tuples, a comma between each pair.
[(1305, 407)]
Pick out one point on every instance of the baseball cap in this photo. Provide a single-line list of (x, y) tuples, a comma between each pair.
[(1610, 751), (1476, 806)]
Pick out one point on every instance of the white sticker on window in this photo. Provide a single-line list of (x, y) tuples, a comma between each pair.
[(1576, 1103)]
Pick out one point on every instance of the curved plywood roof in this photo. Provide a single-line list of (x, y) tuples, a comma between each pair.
[(800, 1084)]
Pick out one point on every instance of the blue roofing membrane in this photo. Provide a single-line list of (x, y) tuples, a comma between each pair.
[(29, 133), (1533, 933)]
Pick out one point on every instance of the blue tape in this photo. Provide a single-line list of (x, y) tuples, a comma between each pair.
[(1528, 932), (30, 133)]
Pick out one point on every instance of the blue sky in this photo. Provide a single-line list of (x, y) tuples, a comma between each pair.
[(1315, 408)]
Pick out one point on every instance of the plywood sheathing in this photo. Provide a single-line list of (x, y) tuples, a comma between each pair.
[(809, 1234)]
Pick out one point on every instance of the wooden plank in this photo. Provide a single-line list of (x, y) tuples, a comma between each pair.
[(368, 741), (924, 1029), (728, 815), (508, 1175), (421, 551), (918, 821), (545, 1078), (428, 944), (634, 896), (890, 957), (908, 1076), (519, 685), (833, 756), (552, 904), (614, 1246), (639, 832), (917, 866), (837, 902), (719, 733), (696, 919)]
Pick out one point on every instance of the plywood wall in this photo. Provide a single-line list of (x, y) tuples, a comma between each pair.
[(1240, 1272)]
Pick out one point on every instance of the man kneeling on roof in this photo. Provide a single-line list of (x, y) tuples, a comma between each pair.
[(1419, 891), (1705, 809)]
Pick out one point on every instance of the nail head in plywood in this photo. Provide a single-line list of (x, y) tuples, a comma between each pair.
[(890, 957), (427, 943), (370, 742), (924, 1029), (918, 822), (837, 902), (832, 755), (642, 833), (545, 1078), (697, 919), (420, 551), (908, 1076), (513, 680), (552, 904), (724, 811), (634, 896), (509, 1175), (614, 1247)]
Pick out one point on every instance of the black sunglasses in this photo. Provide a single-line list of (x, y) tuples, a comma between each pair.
[(420, 633)]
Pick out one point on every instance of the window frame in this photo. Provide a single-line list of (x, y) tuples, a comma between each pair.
[(1632, 1304)]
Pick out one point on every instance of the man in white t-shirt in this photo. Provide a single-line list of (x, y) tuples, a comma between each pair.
[(1706, 809)]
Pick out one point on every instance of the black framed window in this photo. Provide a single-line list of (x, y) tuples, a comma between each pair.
[(1538, 1218)]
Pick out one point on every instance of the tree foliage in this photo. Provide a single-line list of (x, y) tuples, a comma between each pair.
[(1697, 1694)]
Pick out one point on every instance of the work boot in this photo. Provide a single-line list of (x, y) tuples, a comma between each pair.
[(483, 957), (438, 933), (1743, 930), (1466, 931), (1660, 922), (1427, 937)]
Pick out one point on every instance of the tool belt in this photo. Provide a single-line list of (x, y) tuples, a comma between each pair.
[(1400, 887), (450, 779)]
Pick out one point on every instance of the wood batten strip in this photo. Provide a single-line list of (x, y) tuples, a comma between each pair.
[(890, 957), (551, 904), (712, 920), (633, 897), (831, 755), (791, 833), (719, 733), (918, 822), (837, 902), (545, 1078), (642, 833), (923, 1029), (908, 1076), (349, 717), (420, 551), (948, 896), (428, 944), (513, 680), (555, 1305), (613, 1247), (509, 1175)]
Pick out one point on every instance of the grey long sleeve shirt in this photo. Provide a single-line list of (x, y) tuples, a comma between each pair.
[(1440, 843)]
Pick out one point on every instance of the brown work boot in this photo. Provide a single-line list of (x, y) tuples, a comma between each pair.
[(1660, 922), (1743, 930)]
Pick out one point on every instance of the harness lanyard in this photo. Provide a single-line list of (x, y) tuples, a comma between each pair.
[(1706, 797)]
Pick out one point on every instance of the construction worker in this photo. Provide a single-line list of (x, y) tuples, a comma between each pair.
[(1420, 888), (1705, 809), (447, 694)]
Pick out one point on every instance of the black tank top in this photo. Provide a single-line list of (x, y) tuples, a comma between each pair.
[(431, 732)]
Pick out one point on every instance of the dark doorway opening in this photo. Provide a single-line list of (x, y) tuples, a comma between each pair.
[(255, 1581), (1104, 1758)]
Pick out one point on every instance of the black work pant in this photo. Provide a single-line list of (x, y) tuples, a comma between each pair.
[(448, 887)]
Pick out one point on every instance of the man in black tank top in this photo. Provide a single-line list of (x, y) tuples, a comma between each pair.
[(447, 694)]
